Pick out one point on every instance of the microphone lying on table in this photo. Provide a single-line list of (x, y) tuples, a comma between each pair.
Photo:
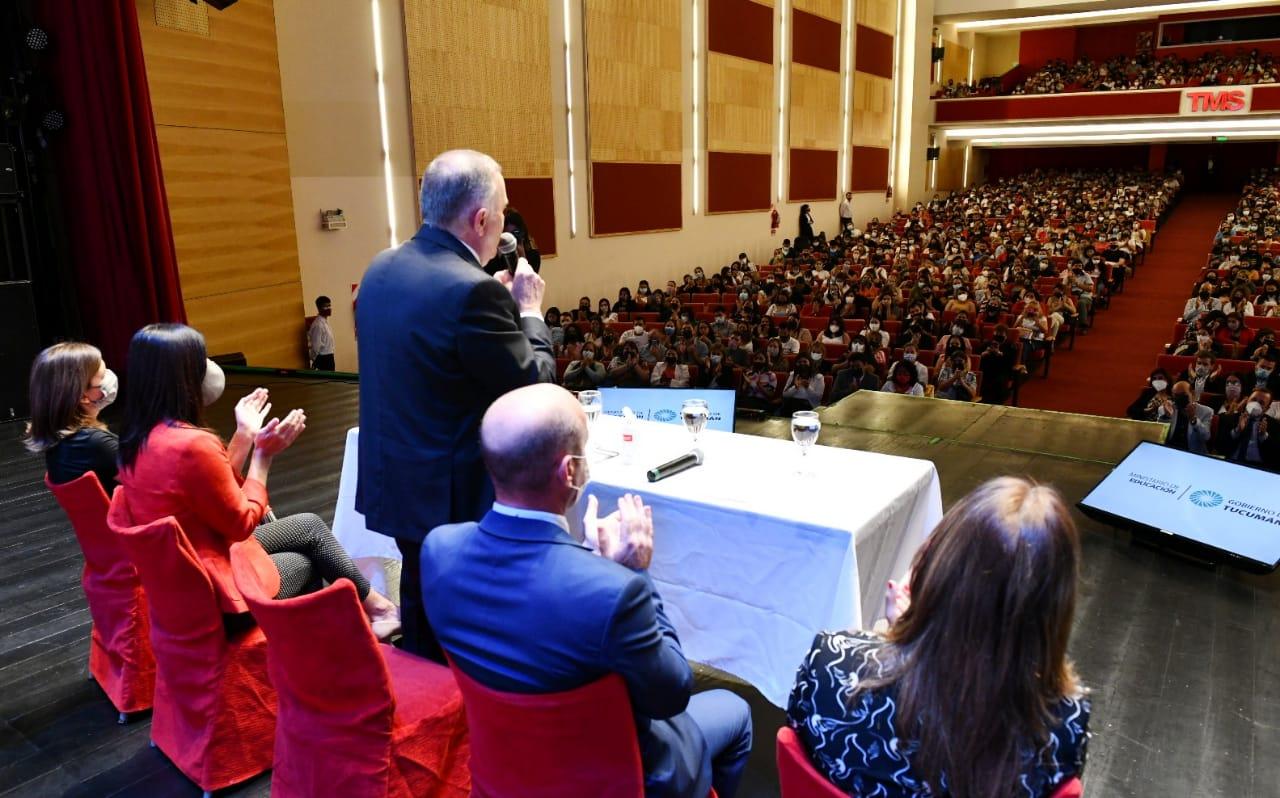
[(682, 463)]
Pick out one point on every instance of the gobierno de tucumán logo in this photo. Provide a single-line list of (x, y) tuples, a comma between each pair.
[(1205, 498)]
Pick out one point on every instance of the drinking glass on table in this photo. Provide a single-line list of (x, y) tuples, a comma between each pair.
[(804, 431), (695, 413), (592, 404)]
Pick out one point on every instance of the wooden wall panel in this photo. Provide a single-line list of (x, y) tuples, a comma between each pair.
[(740, 104), (950, 173), (815, 108), (229, 79), (871, 115), (474, 66), (879, 14), (955, 62), (229, 196), (220, 125), (234, 323), (634, 59), (830, 9)]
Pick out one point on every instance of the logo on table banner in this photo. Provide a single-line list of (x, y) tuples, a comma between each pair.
[(666, 415), (1205, 498)]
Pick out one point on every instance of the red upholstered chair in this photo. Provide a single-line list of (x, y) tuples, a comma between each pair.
[(215, 710), (798, 778), (508, 762), (357, 718), (120, 657)]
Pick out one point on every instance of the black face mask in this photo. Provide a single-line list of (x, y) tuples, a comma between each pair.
[(1182, 400)]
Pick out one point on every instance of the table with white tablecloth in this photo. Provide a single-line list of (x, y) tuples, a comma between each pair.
[(753, 552)]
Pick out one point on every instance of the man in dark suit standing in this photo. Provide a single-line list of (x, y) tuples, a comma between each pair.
[(439, 340), (524, 606)]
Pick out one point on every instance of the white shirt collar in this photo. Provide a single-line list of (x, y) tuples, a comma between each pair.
[(534, 515), (472, 251)]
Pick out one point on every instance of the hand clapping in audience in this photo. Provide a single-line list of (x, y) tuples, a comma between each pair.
[(624, 536)]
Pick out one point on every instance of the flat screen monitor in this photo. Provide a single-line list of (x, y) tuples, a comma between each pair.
[(1230, 508), (663, 404)]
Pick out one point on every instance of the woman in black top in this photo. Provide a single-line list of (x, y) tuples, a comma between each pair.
[(70, 386), (970, 692)]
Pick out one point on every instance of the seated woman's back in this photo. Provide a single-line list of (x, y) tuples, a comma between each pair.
[(970, 692)]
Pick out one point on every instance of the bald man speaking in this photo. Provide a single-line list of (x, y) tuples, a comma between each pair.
[(439, 340), (523, 606)]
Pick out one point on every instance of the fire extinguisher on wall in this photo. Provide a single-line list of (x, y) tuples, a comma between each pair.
[(774, 220)]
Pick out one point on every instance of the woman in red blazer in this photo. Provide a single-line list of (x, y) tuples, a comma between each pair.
[(170, 464)]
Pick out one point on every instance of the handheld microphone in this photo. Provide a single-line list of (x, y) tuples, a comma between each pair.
[(507, 251), (682, 463)]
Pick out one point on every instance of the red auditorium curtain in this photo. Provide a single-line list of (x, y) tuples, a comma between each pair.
[(108, 166)]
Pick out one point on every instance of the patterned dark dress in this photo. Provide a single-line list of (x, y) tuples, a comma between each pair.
[(852, 740)]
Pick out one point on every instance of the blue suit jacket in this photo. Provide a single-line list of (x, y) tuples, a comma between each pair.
[(522, 607), (439, 340)]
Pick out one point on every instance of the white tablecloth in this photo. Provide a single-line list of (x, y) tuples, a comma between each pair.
[(751, 559)]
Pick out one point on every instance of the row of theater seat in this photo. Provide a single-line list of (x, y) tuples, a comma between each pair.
[(310, 694)]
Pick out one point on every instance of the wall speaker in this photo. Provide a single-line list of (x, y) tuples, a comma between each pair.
[(8, 171), (932, 153)]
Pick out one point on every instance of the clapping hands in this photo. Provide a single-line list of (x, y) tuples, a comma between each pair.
[(278, 435), (624, 536), (251, 411)]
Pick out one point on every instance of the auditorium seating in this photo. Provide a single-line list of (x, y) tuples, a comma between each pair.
[(215, 709), (519, 741), (356, 718), (120, 657)]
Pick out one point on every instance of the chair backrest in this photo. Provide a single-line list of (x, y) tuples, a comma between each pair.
[(1071, 788), (519, 741), (797, 777), (336, 703), (86, 504)]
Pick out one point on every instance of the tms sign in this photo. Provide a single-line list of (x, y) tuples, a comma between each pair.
[(1216, 100)]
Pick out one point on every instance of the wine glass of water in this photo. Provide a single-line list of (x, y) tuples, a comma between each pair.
[(593, 405), (804, 431), (694, 412)]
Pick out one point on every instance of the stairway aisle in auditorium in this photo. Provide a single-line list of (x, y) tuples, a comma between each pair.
[(1108, 367)]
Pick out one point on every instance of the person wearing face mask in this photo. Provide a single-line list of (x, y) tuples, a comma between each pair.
[(1268, 302), (1250, 439), (641, 299), (636, 335), (903, 379), (70, 385), (834, 333), (911, 356), (172, 465), (1190, 423), (1234, 335), (670, 372), (628, 369), (997, 363), (961, 302), (1033, 333), (320, 337), (787, 338), (557, 615), (1202, 302), (955, 380), (803, 389), (759, 387), (586, 373), (1264, 375), (1151, 398), (1238, 303)]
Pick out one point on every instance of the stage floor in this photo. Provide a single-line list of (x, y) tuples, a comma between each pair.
[(1182, 660)]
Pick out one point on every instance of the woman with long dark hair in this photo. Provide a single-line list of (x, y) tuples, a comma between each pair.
[(806, 226), (970, 693), (70, 385), (170, 464)]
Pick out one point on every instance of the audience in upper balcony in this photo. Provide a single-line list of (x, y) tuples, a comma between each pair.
[(1129, 73)]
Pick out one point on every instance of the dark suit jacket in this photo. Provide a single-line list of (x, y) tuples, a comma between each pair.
[(522, 607), (439, 340)]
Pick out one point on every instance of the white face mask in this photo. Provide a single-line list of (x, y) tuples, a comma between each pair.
[(873, 326), (833, 329), (110, 388), (1159, 385), (215, 382), (1254, 409), (857, 348), (815, 356)]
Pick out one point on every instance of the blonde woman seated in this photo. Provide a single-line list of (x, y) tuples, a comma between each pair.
[(970, 692)]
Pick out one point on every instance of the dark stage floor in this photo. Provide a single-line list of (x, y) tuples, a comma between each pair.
[(1184, 661)]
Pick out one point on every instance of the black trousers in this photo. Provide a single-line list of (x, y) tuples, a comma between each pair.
[(324, 363), (417, 635)]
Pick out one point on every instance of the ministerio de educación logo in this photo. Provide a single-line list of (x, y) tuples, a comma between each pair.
[(1205, 498)]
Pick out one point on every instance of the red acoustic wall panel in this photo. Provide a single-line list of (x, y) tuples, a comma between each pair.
[(873, 52), (812, 175), (535, 199), (738, 181), (1038, 47), (635, 197), (741, 28), (815, 41), (869, 168)]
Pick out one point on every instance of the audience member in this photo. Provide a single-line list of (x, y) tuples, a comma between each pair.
[(70, 385), (320, 337), (1190, 423)]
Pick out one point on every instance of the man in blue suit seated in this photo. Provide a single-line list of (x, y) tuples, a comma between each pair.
[(522, 606)]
